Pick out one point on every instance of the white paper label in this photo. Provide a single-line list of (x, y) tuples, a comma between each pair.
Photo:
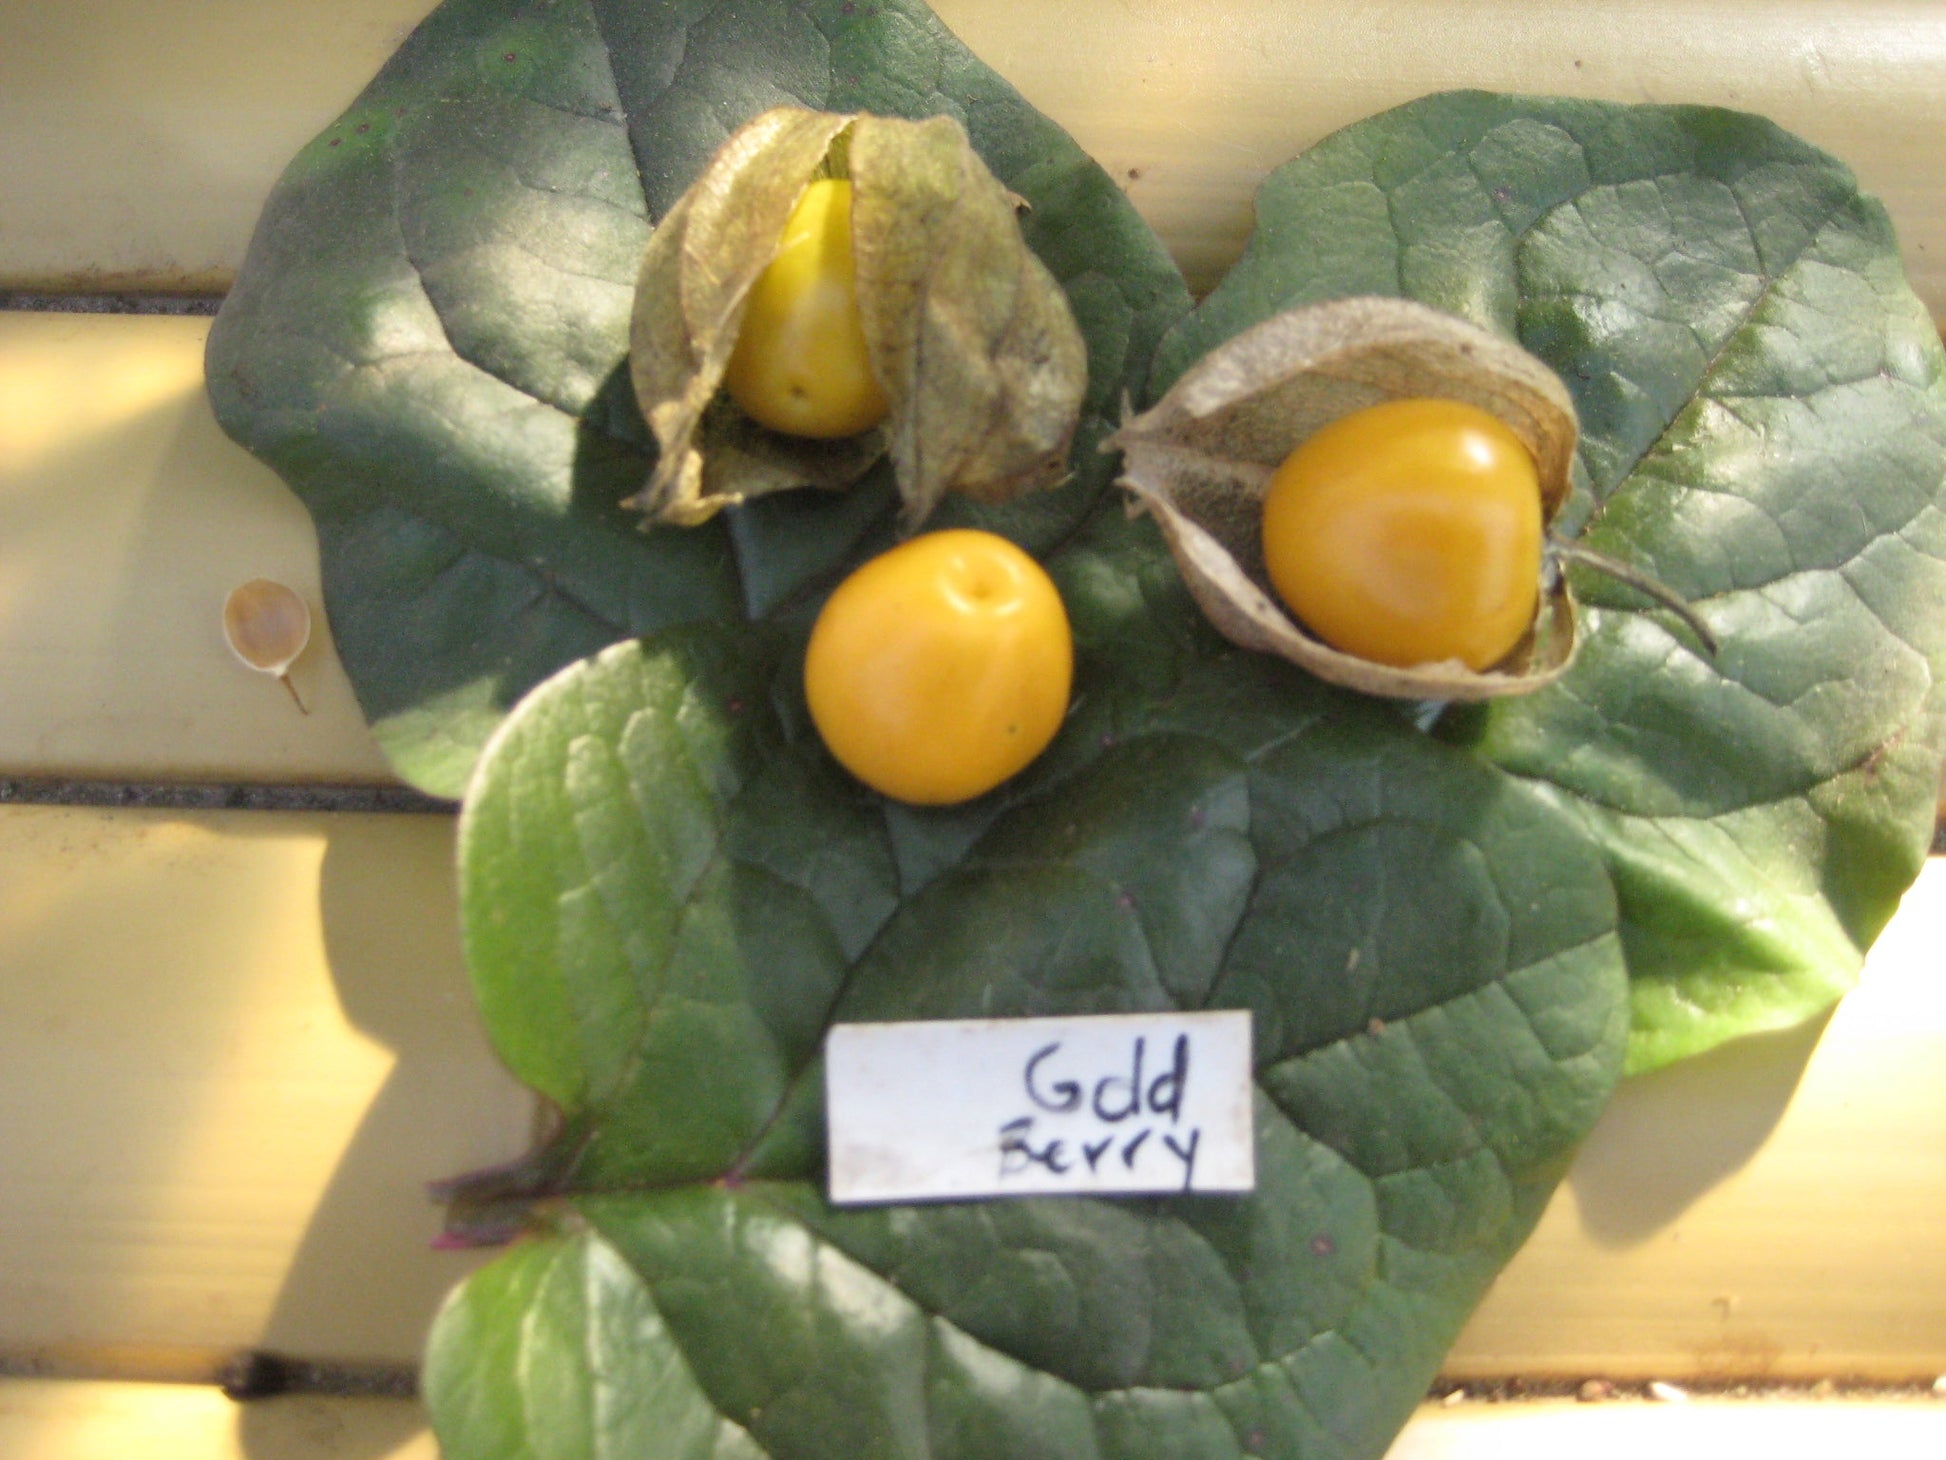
[(1113, 1104)]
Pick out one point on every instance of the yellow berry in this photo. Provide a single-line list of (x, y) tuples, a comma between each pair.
[(1409, 533), (801, 365), (941, 668)]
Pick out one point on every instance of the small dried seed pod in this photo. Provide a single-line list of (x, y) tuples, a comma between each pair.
[(267, 627), (969, 337), (1201, 459)]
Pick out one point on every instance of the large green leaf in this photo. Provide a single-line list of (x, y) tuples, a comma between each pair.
[(428, 337), (670, 892), (1764, 431)]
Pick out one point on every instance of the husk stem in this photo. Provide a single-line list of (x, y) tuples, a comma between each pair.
[(1630, 576)]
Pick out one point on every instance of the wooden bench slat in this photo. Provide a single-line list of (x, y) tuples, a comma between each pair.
[(245, 1043), (237, 1046), (126, 517), (51, 1419), (1191, 105), (1790, 1430), (41, 1419), (147, 135), (1730, 1219), (142, 137)]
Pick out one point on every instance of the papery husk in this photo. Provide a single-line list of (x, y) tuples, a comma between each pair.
[(1201, 459), (701, 263), (970, 337)]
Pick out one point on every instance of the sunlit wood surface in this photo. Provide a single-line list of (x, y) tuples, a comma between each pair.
[(147, 149), (52, 1420), (1710, 1430), (236, 1045), (126, 517), (246, 1043), (1770, 1210), (59, 1420)]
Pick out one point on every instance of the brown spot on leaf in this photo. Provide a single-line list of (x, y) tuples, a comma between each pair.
[(1875, 759)]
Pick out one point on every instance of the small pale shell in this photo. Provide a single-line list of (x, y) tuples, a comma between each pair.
[(1201, 459), (267, 626)]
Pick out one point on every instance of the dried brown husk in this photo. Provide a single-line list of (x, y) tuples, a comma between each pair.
[(1202, 457), (970, 337)]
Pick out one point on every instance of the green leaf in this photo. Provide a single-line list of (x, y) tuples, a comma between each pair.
[(670, 892), (1764, 430), (428, 337)]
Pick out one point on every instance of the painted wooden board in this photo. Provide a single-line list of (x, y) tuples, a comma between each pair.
[(235, 1048), (1724, 1430), (54, 1420), (126, 517), (1772, 1209), (47, 1419), (241, 1044), (142, 135), (139, 149)]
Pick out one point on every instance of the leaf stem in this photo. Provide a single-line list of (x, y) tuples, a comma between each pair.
[(1631, 576)]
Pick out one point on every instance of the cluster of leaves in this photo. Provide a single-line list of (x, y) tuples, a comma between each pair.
[(1449, 941)]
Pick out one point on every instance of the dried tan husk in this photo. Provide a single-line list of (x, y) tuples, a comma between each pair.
[(1202, 457), (701, 263), (970, 337)]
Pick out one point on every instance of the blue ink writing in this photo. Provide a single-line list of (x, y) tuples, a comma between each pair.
[(1085, 1115)]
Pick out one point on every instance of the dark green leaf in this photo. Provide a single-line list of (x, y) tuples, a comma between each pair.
[(670, 892), (428, 337), (1764, 432)]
